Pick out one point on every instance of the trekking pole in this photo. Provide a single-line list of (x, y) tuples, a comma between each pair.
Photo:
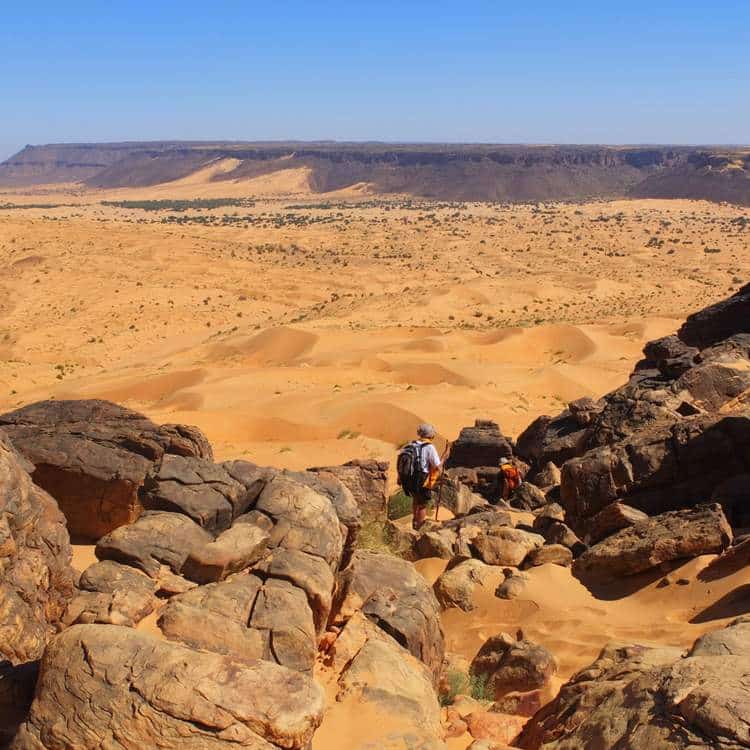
[(442, 478)]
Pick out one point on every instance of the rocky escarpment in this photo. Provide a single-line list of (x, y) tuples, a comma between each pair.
[(447, 171)]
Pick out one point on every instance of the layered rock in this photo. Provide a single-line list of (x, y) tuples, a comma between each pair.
[(93, 457), (102, 684), (669, 437), (35, 560), (635, 697), (481, 445), (650, 542)]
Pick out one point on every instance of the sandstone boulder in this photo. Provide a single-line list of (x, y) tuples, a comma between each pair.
[(666, 466), (391, 593), (528, 497), (36, 580), (303, 519), (233, 550), (503, 545), (646, 544), (634, 697), (455, 587), (719, 321), (343, 501), (511, 665), (245, 618), (112, 594), (555, 554), (548, 476), (610, 519), (103, 686), (155, 540), (376, 676), (309, 573), (480, 445), (366, 479), (93, 456), (200, 489), (513, 586)]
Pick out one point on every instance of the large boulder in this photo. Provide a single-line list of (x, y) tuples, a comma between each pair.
[(245, 618), (155, 541), (503, 545), (375, 676), (198, 488), (455, 587), (36, 580), (666, 466), (112, 594), (106, 686), (93, 457), (392, 594), (719, 321), (648, 543), (509, 665), (366, 479), (634, 697), (480, 445), (304, 519), (668, 437), (233, 550), (344, 502)]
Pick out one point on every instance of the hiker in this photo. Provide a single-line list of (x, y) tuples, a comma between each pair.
[(510, 479), (418, 471)]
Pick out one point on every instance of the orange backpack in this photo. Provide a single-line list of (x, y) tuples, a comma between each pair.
[(511, 477)]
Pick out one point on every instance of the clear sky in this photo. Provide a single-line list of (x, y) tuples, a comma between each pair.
[(565, 71)]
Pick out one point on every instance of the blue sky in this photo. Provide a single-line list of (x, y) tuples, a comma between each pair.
[(574, 72)]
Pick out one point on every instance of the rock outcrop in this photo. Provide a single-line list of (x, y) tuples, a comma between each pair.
[(649, 543), (390, 593), (480, 445), (35, 559), (634, 697), (93, 457), (672, 437), (106, 686), (366, 479)]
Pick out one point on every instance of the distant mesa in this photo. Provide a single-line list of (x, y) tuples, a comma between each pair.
[(482, 172)]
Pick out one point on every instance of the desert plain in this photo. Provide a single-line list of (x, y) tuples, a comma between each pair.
[(301, 329)]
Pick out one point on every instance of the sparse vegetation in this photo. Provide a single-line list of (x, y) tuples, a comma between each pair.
[(197, 204), (399, 505), (460, 683)]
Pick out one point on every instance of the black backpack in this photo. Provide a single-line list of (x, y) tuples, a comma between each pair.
[(411, 475)]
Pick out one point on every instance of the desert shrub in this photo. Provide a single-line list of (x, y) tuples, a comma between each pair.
[(399, 505), (459, 683)]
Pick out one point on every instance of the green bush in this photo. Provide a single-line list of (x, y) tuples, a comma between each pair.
[(460, 683)]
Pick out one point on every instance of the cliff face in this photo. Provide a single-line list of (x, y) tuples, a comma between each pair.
[(445, 171)]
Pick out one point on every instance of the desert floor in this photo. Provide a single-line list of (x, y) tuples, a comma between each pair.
[(298, 330)]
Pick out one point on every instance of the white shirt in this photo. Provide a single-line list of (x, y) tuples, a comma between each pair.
[(429, 457)]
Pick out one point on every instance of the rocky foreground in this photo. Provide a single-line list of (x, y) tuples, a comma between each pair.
[(234, 605)]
